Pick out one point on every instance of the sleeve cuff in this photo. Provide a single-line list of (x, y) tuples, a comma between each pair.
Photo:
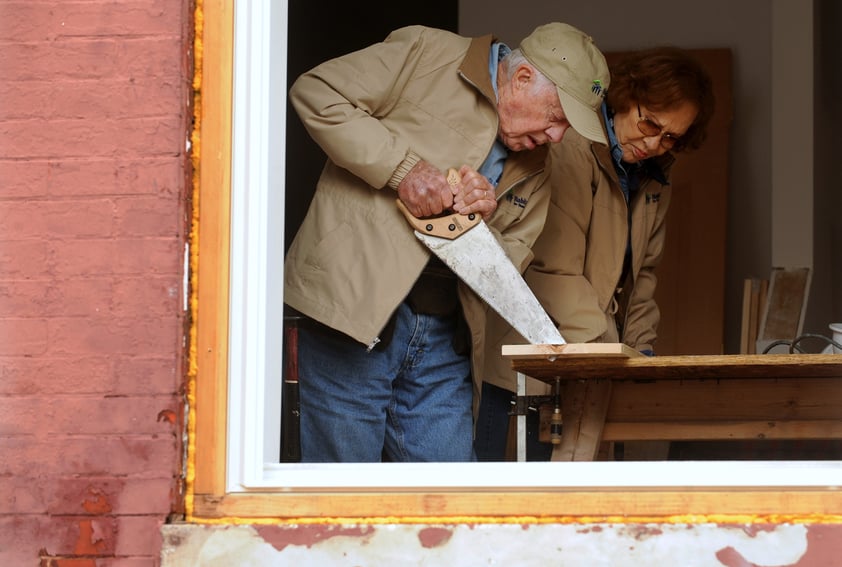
[(403, 168)]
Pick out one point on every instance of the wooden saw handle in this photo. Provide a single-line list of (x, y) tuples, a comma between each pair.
[(449, 226)]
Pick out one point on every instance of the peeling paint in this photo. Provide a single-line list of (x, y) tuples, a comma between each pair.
[(642, 531), (167, 415), (434, 537), (824, 547), (590, 529), (90, 541), (753, 529), (602, 545), (309, 536), (729, 557), (99, 504)]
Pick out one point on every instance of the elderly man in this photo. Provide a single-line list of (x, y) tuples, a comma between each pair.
[(385, 347)]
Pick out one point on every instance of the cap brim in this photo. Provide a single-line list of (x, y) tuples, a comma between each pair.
[(582, 118)]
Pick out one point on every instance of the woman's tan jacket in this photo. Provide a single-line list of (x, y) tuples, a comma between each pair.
[(578, 258)]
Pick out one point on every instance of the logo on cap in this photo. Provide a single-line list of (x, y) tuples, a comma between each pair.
[(597, 88)]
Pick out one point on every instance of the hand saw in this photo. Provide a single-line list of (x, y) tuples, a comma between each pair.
[(468, 247)]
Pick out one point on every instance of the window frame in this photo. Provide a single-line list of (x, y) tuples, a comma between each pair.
[(233, 345)]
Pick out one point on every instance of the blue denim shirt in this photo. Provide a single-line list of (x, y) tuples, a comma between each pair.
[(492, 167), (627, 173)]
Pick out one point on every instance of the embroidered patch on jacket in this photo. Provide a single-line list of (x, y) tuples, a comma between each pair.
[(653, 198), (517, 201)]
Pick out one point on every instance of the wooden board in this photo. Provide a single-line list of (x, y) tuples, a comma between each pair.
[(754, 305), (585, 406), (591, 351), (797, 408), (599, 410), (547, 367), (783, 317), (737, 400), (799, 430), (613, 396)]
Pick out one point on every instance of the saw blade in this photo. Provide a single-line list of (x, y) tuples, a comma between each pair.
[(477, 258)]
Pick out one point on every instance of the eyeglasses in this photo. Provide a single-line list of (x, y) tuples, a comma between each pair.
[(650, 129)]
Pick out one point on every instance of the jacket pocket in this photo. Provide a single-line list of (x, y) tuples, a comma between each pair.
[(331, 251)]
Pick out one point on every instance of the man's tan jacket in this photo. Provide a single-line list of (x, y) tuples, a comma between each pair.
[(420, 94)]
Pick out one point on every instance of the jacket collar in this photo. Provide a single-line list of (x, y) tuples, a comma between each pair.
[(474, 66)]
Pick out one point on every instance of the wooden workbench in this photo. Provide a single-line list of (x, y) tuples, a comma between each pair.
[(611, 393)]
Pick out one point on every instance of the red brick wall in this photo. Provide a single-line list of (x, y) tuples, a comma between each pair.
[(94, 124)]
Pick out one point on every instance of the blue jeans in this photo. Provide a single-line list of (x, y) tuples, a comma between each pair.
[(407, 402), (493, 427)]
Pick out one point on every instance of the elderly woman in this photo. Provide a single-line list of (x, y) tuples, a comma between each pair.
[(595, 261)]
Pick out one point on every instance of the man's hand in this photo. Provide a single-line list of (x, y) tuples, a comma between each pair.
[(474, 194), (425, 191)]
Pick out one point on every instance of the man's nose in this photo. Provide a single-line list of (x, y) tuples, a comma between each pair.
[(556, 133)]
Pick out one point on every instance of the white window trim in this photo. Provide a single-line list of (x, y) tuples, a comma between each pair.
[(257, 228), (256, 328)]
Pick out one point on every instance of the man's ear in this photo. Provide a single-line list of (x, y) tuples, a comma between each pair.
[(523, 75)]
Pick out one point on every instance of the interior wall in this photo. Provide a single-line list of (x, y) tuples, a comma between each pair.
[(827, 230), (748, 32)]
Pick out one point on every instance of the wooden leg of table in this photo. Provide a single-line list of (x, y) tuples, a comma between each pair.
[(584, 407), (521, 419)]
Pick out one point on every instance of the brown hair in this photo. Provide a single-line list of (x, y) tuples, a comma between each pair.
[(660, 78)]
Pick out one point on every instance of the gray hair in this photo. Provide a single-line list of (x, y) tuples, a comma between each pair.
[(515, 59)]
